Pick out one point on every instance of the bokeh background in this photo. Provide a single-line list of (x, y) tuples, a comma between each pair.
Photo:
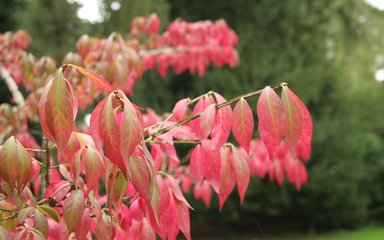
[(331, 53)]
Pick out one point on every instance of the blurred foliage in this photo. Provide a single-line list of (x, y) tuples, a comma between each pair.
[(53, 25), (327, 50), (118, 14)]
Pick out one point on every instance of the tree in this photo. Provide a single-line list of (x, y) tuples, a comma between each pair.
[(131, 155)]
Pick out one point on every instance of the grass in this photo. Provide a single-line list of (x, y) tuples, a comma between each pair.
[(367, 233)]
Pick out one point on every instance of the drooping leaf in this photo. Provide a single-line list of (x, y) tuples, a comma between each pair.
[(292, 120), (93, 166), (227, 175), (110, 133), (83, 226), (141, 176), (180, 109), (196, 164), (73, 209), (182, 218), (243, 123), (204, 191), (269, 109), (242, 172), (304, 143), (100, 82), (131, 129), (95, 126), (207, 119), (15, 164), (222, 124), (211, 164)]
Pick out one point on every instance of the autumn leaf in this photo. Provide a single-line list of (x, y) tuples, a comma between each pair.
[(269, 108), (100, 82), (243, 123), (73, 209)]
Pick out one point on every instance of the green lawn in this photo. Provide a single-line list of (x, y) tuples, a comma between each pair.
[(368, 233)]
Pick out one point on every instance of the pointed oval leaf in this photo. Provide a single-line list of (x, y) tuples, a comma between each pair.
[(304, 143), (73, 209), (110, 133), (207, 119), (269, 109), (141, 176), (196, 164), (59, 111), (15, 164), (40, 222), (227, 175), (93, 164), (131, 129), (49, 211), (100, 82), (292, 120), (242, 172), (243, 123)]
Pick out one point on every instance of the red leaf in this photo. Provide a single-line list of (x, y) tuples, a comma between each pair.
[(43, 118), (59, 111), (222, 125), (292, 121), (180, 109), (73, 209), (182, 218), (227, 175), (141, 176), (269, 108), (207, 119), (304, 143), (15, 164), (242, 172), (197, 163), (83, 226), (131, 129), (204, 191), (211, 164), (100, 82), (110, 133), (95, 126), (243, 123), (93, 164)]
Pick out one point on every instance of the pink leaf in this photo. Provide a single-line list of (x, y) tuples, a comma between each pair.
[(243, 123), (242, 172), (207, 119), (180, 109), (292, 121), (100, 82), (83, 226), (269, 108), (131, 130), (197, 163), (93, 164), (222, 125), (227, 175)]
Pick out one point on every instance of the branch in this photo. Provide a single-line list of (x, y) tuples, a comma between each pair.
[(12, 86), (196, 115)]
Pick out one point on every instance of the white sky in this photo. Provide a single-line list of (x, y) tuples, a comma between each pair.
[(89, 10), (379, 4)]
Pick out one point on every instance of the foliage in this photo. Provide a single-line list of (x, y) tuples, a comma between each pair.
[(328, 50), (58, 190)]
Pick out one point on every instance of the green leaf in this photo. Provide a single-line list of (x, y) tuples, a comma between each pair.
[(47, 210)]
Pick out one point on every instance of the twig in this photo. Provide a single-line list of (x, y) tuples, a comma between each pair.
[(12, 86), (218, 106)]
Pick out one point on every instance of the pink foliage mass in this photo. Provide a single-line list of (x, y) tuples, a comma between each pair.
[(134, 156)]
